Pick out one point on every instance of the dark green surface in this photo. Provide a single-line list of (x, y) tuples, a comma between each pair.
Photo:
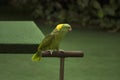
[(20, 32), (101, 60)]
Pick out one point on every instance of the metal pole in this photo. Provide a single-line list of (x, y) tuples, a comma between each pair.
[(62, 68)]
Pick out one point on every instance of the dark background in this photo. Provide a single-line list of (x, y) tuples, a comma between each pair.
[(87, 14)]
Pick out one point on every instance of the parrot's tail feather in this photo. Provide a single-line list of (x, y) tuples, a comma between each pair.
[(36, 57)]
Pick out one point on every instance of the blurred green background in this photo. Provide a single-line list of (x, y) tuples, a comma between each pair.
[(90, 14), (96, 26)]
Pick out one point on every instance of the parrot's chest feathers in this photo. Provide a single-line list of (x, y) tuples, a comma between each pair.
[(56, 41), (52, 41), (59, 37)]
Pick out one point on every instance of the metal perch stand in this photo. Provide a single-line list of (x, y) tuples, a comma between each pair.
[(63, 55)]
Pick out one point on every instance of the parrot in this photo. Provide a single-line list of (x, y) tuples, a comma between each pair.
[(52, 41)]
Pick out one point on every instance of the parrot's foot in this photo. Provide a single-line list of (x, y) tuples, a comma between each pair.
[(61, 50), (51, 51)]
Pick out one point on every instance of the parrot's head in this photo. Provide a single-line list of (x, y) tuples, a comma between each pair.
[(63, 27)]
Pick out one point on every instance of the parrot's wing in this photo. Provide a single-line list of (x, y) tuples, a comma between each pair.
[(46, 41)]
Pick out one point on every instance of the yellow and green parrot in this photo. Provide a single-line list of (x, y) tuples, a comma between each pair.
[(52, 41)]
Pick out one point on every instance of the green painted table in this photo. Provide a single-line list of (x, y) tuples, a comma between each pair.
[(19, 36)]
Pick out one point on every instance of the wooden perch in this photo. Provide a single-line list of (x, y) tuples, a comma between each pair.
[(63, 54)]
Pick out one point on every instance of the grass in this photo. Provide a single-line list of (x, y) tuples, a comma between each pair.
[(101, 60)]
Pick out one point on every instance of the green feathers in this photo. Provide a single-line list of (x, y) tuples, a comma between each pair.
[(36, 57), (52, 40)]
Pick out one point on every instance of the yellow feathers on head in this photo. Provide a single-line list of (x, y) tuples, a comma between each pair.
[(59, 26)]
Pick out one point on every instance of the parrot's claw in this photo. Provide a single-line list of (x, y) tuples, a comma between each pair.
[(61, 50), (51, 51)]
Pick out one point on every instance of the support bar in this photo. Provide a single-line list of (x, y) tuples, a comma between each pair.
[(63, 54), (62, 61)]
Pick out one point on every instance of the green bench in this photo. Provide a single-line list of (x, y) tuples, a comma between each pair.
[(19, 36)]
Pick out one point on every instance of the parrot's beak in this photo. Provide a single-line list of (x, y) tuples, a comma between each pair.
[(70, 29)]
